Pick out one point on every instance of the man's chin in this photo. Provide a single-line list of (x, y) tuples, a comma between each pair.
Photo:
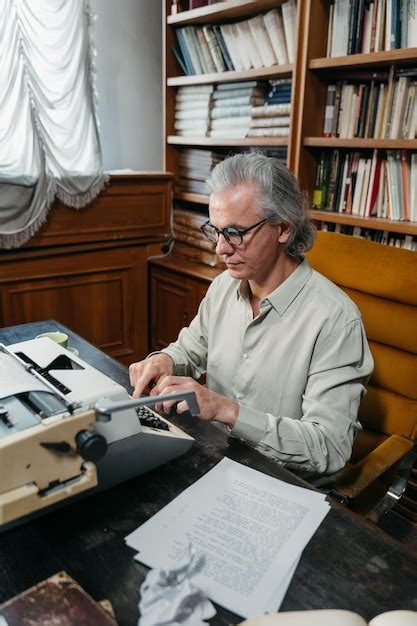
[(235, 269)]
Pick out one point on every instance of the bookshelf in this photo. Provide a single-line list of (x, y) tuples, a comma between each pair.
[(315, 71), (229, 11), (311, 73)]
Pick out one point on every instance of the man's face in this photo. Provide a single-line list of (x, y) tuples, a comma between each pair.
[(259, 251)]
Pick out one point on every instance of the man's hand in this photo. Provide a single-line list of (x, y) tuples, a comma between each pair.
[(212, 405), (147, 373)]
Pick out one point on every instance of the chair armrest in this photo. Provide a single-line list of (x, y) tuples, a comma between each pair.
[(355, 478)]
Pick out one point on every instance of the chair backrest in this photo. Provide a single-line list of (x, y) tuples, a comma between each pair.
[(382, 280)]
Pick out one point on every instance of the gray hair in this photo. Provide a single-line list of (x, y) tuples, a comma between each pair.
[(280, 199)]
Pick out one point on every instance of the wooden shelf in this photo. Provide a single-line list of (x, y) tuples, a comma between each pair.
[(228, 77), (222, 11), (196, 198), (407, 228), (372, 59), (176, 140), (339, 142)]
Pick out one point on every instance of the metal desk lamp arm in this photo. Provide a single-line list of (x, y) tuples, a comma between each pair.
[(105, 407)]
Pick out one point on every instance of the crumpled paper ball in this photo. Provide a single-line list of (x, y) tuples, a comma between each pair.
[(170, 598)]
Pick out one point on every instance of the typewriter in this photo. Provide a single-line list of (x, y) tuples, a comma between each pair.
[(66, 428)]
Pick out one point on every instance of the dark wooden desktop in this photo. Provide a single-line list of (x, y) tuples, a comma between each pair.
[(348, 564)]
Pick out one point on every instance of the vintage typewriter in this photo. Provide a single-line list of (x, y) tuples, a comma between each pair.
[(66, 428)]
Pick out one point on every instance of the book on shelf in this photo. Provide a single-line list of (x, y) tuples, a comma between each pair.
[(180, 59), (191, 219), (214, 49), (59, 600), (266, 122), (362, 26), (268, 131), (238, 92), (378, 184), (192, 185), (193, 48), (275, 27), (321, 182), (261, 38), (184, 52), (195, 254), (289, 16), (230, 111), (238, 132), (329, 110), (271, 110), (334, 168), (231, 122), (204, 36), (193, 238), (247, 39), (223, 48), (259, 41), (231, 46), (374, 110), (411, 23)]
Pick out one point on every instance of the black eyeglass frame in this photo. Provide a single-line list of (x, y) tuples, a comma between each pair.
[(228, 231)]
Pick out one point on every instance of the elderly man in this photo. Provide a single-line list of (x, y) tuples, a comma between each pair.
[(283, 349)]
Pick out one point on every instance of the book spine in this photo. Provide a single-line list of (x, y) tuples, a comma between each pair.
[(275, 27), (329, 111), (289, 18)]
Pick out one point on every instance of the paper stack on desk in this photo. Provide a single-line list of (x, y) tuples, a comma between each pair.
[(252, 529)]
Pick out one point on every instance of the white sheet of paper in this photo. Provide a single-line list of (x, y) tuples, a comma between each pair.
[(251, 528), (14, 378)]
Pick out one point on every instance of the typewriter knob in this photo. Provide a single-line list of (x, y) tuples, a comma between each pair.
[(91, 446)]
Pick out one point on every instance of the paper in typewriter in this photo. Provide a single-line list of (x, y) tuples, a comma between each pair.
[(250, 527), (14, 378)]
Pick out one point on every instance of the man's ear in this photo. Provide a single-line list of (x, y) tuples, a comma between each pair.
[(286, 232)]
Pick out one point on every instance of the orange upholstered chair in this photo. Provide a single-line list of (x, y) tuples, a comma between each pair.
[(382, 280)]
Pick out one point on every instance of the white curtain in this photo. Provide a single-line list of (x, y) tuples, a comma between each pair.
[(49, 140)]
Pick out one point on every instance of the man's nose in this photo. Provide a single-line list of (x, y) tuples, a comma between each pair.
[(223, 246)]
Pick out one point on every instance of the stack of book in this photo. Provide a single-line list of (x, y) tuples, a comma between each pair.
[(190, 242), (279, 92), (260, 41), (273, 118), (194, 168), (231, 112), (192, 110)]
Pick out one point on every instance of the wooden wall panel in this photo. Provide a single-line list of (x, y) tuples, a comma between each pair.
[(100, 295), (132, 206), (88, 269)]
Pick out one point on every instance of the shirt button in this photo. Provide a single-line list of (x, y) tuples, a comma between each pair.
[(245, 355)]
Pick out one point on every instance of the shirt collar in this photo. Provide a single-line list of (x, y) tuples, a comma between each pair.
[(286, 293)]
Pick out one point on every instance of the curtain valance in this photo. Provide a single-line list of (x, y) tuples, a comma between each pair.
[(49, 141)]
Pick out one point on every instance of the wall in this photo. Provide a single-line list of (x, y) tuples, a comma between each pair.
[(128, 38)]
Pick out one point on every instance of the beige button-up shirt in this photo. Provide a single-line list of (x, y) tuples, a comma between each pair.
[(298, 370)]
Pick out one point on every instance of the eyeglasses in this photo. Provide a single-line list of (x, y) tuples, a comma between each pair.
[(233, 235)]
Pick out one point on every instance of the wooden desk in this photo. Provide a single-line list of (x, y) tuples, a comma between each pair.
[(348, 564)]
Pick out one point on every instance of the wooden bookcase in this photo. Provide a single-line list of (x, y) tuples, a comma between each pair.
[(173, 77), (311, 73)]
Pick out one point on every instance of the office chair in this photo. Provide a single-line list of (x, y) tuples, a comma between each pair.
[(382, 281)]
